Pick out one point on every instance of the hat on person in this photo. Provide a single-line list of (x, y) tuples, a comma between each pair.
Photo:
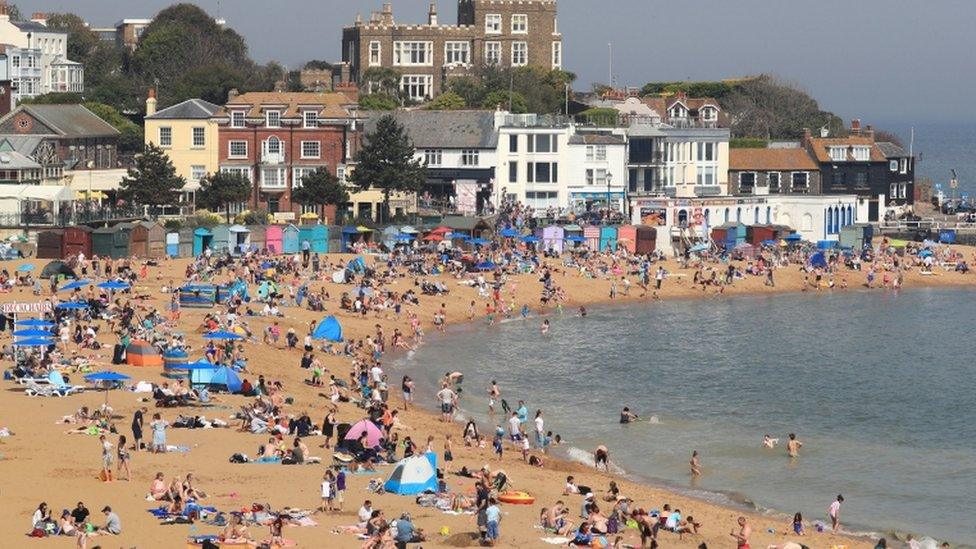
[(589, 495), (106, 509)]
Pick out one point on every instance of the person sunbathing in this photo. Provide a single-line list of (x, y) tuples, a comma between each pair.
[(158, 490), (235, 531)]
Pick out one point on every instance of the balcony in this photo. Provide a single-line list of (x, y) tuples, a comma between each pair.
[(273, 158)]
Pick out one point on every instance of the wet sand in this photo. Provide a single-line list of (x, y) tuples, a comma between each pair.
[(41, 463)]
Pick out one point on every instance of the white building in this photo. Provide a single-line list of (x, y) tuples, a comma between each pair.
[(682, 222), (547, 162), (32, 47)]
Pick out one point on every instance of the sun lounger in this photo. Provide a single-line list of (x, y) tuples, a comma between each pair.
[(33, 389)]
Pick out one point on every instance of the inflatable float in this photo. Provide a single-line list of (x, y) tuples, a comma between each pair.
[(516, 498)]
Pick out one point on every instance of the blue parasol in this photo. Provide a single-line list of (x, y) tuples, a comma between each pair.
[(114, 285), (34, 342), (72, 305), (480, 241), (33, 332), (530, 239), (485, 266), (795, 237), (106, 376), (26, 267), (75, 285), (404, 237), (509, 233), (35, 322), (198, 365), (223, 335)]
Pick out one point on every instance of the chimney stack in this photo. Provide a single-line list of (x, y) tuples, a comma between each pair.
[(388, 13), (869, 132), (39, 17), (856, 126), (4, 9), (359, 19), (432, 15), (151, 102), (805, 140), (232, 94)]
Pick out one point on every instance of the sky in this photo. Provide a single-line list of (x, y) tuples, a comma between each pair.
[(904, 61)]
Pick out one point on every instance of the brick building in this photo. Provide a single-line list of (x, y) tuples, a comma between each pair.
[(489, 32), (275, 138), (62, 137)]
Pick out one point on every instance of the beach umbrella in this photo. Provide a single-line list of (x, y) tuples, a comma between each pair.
[(530, 239), (35, 342), (509, 233), (373, 433), (480, 241), (108, 379), (114, 285), (26, 267), (795, 237), (198, 365), (32, 332), (404, 237), (74, 285), (485, 266), (36, 322), (72, 305), (408, 230), (223, 335)]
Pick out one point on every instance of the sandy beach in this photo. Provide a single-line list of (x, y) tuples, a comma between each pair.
[(42, 463)]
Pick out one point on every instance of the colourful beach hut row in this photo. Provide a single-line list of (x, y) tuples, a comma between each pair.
[(60, 243), (239, 239)]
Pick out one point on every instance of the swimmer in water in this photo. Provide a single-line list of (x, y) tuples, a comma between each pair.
[(601, 457), (793, 446), (626, 416), (582, 312), (545, 326), (769, 442), (695, 464)]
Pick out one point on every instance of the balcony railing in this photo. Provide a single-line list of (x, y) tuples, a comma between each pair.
[(67, 217), (273, 158)]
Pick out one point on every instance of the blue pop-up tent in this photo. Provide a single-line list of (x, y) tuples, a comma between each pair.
[(329, 329), (227, 377), (818, 260), (413, 475)]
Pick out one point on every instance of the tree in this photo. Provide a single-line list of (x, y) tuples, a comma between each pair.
[(386, 162), (448, 101), (219, 190), (378, 102), (320, 188), (153, 180), (512, 102), (382, 80)]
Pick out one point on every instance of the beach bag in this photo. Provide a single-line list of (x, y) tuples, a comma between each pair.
[(238, 458), (38, 533)]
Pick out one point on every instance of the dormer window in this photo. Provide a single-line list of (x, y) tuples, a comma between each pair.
[(311, 119), (237, 119), (678, 111), (838, 154), (862, 154), (272, 119), (709, 114)]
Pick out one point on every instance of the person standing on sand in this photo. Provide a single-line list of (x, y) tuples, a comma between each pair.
[(793, 446), (494, 393), (695, 464), (448, 399), (137, 422), (742, 537), (106, 458), (834, 513)]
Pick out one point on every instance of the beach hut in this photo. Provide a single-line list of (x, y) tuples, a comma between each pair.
[(142, 353), (757, 234), (138, 240), (551, 238), (335, 239), (317, 237), (173, 244), (122, 240), (77, 240), (627, 238), (290, 243), (273, 239), (350, 235), (608, 238), (50, 244), (238, 239), (259, 236), (413, 475), (202, 239), (592, 235), (646, 240), (155, 239), (186, 243), (102, 241), (221, 239)]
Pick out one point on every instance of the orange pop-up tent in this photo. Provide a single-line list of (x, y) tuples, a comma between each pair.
[(141, 353)]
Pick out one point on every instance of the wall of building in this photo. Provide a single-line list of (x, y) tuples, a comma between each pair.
[(184, 155)]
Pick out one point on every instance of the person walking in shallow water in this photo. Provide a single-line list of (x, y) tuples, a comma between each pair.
[(695, 464), (793, 446)]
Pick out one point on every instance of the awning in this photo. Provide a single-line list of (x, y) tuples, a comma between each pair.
[(49, 193), (97, 195)]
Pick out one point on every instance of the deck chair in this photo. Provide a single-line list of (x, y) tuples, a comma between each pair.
[(33, 389)]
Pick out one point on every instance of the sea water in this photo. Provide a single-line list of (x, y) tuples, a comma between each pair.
[(879, 387)]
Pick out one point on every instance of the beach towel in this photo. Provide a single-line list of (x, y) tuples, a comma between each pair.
[(557, 540)]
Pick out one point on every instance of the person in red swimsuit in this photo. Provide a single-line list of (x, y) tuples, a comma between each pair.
[(742, 537)]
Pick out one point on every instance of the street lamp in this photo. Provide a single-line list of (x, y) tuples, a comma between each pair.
[(609, 180)]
